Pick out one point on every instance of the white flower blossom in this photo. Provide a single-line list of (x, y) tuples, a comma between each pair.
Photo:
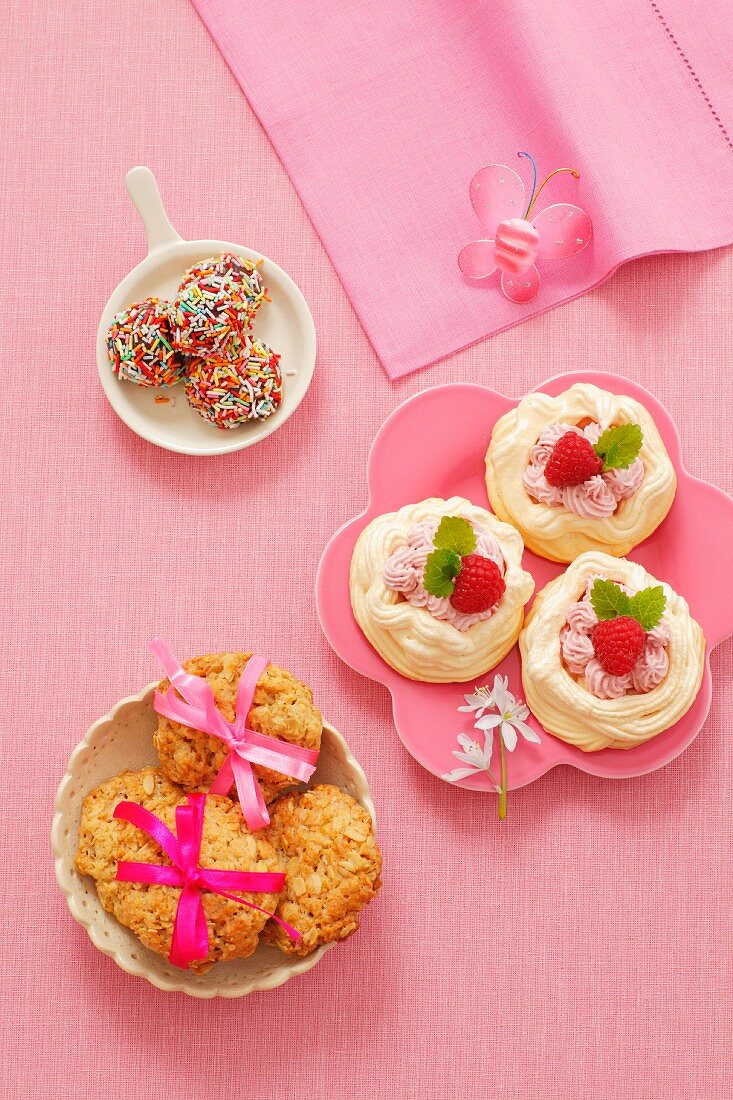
[(511, 717), (510, 720), (478, 759), (478, 701)]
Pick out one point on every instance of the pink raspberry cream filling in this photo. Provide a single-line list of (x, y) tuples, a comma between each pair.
[(596, 498), (404, 569), (579, 659)]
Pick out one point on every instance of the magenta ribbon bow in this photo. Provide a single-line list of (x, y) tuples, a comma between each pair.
[(190, 932), (198, 710)]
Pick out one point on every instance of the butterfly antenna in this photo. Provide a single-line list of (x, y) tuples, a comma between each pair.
[(573, 172), (534, 181)]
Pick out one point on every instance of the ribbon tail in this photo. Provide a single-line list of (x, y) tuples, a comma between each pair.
[(251, 800), (246, 690), (279, 756), (177, 710), (148, 823), (190, 934), (225, 779), (164, 654), (292, 932)]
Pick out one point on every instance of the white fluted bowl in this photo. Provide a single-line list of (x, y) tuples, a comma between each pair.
[(123, 740)]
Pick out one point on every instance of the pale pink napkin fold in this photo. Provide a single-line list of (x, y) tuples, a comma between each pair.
[(382, 110)]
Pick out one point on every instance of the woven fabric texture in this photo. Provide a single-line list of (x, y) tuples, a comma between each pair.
[(382, 111)]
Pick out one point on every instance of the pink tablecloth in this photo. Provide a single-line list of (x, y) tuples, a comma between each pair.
[(584, 950), (382, 111)]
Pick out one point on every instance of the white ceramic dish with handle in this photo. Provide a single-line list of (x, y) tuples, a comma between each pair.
[(120, 741), (285, 324)]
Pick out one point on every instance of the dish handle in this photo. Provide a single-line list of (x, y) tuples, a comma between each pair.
[(142, 187)]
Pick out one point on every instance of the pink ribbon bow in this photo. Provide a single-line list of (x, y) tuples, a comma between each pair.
[(198, 710), (190, 933)]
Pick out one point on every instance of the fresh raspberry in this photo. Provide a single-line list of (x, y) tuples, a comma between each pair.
[(479, 585), (618, 644), (572, 461)]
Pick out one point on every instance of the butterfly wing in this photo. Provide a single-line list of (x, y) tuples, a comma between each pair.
[(521, 288), (497, 193), (476, 260), (564, 230)]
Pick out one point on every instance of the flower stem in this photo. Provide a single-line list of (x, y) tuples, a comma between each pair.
[(502, 793)]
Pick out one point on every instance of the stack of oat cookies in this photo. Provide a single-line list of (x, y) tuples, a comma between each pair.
[(321, 838)]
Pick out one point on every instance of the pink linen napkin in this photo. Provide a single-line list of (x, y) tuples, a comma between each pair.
[(382, 111)]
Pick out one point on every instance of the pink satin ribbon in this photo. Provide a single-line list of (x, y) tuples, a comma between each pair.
[(198, 710), (190, 932)]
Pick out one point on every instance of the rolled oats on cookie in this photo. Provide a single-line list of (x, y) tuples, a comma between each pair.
[(332, 864), (149, 910), (282, 708)]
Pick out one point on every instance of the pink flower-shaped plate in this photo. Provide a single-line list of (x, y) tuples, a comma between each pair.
[(434, 445)]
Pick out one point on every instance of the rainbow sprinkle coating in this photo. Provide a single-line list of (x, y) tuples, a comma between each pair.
[(245, 273), (215, 307), (228, 394), (140, 345)]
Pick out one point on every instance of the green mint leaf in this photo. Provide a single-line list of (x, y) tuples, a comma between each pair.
[(441, 570), (647, 606), (608, 600), (456, 534), (619, 446)]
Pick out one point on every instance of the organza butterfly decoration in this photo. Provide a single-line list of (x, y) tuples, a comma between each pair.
[(498, 195)]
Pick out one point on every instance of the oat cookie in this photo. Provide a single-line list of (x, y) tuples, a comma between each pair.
[(332, 866), (150, 910), (282, 707)]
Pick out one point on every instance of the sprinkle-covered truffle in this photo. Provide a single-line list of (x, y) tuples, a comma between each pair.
[(245, 273), (140, 345), (215, 306), (229, 393)]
